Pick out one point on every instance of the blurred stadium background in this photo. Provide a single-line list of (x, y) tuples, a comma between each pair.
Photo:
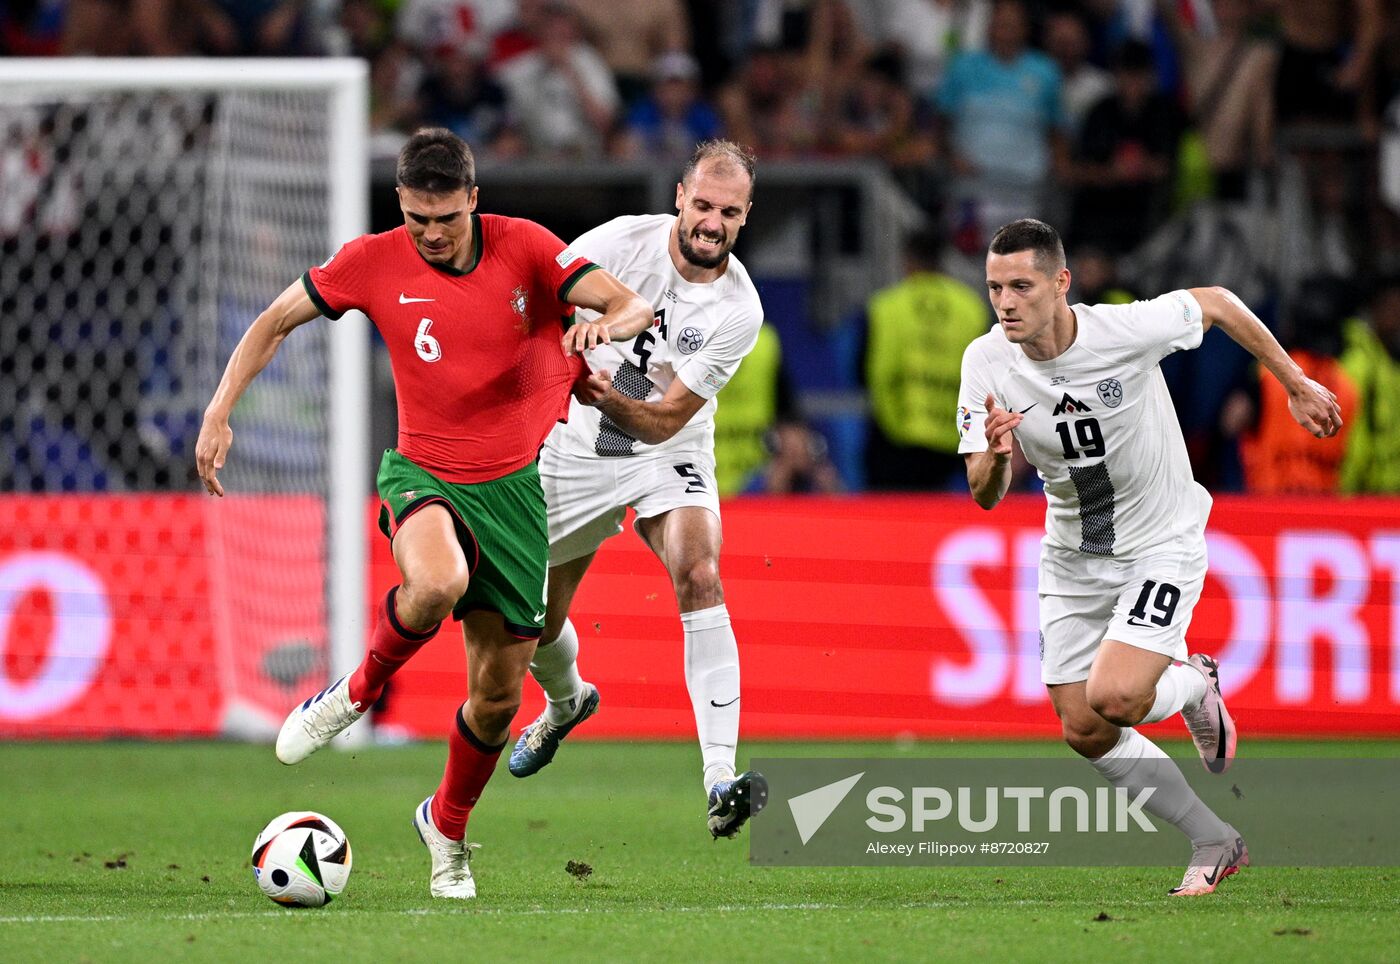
[(148, 212)]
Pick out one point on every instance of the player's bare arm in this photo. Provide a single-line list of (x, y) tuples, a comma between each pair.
[(292, 309), (1313, 405), (649, 422), (989, 472), (625, 314)]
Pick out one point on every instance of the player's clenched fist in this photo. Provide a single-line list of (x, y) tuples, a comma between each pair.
[(593, 389), (215, 437), (584, 335), (999, 424)]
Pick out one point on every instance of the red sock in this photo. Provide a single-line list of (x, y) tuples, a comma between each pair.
[(470, 764), (392, 646)]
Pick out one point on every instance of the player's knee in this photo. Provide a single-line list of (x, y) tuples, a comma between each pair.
[(1115, 705), (434, 595), (698, 585), (495, 711), (1090, 738)]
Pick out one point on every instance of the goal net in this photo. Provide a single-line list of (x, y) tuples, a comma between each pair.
[(148, 211)]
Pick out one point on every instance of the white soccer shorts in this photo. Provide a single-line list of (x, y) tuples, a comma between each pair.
[(1145, 602), (588, 497)]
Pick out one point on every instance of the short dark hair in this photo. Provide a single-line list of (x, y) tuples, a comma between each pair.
[(728, 155), (1028, 234), (436, 161)]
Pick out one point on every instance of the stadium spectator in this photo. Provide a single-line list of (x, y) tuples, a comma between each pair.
[(1327, 55), (1005, 125), (770, 106), (254, 28), (561, 96), (631, 34), (1372, 360), (926, 33), (459, 95), (1277, 458), (667, 123), (1229, 94), (1095, 280), (120, 28), (878, 117), (432, 25), (1082, 84), (1123, 166), (915, 333), (799, 464)]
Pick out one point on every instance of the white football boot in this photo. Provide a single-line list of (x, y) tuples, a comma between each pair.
[(1212, 729), (315, 723), (452, 872), (1212, 863)]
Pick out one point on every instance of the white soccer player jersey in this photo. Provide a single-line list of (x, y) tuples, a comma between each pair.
[(1099, 424), (699, 334)]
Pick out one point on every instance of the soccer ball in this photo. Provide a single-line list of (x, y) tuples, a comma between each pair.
[(301, 859)]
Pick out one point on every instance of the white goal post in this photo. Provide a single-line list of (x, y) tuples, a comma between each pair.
[(333, 147)]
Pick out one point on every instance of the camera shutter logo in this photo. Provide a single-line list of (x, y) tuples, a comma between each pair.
[(1111, 392)]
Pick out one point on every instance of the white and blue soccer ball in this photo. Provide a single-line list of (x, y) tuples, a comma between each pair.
[(301, 859)]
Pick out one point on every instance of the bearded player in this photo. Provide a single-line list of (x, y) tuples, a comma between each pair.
[(469, 306), (641, 434), (1124, 555)]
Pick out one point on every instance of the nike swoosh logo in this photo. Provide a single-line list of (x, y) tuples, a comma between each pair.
[(539, 616), (405, 300), (1028, 408), (1132, 621), (1220, 744), (1223, 863), (720, 706)]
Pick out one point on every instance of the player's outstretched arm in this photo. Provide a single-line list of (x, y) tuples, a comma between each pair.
[(625, 313), (989, 472), (649, 422), (259, 343), (1313, 405)]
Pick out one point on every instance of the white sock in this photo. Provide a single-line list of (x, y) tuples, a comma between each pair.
[(712, 677), (555, 668), (1180, 687), (1136, 762)]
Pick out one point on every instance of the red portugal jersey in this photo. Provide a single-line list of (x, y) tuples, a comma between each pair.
[(479, 371)]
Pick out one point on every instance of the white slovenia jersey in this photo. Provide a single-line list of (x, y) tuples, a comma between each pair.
[(1099, 424), (699, 334)]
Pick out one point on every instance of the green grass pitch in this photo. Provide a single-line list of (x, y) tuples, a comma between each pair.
[(139, 852)]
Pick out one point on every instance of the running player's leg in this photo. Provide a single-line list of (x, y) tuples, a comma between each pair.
[(496, 665), (435, 575), (555, 666), (1120, 690), (569, 700), (687, 541)]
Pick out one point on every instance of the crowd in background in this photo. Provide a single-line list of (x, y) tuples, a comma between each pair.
[(1164, 137)]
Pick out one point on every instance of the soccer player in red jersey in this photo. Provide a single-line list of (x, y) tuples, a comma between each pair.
[(475, 311)]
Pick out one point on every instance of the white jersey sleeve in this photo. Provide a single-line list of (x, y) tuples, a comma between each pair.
[(1151, 330), (972, 395), (710, 368)]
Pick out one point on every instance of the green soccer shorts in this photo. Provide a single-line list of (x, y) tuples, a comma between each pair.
[(501, 525)]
